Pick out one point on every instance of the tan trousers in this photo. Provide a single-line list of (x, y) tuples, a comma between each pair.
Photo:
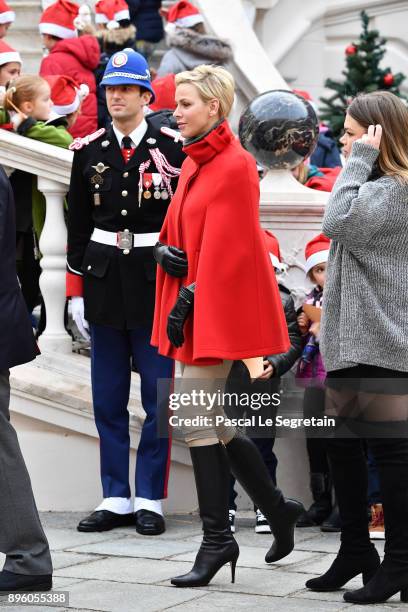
[(209, 380)]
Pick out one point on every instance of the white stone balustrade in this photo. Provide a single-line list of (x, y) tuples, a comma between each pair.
[(52, 166)]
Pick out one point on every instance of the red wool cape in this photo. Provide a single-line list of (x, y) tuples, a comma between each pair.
[(214, 218)]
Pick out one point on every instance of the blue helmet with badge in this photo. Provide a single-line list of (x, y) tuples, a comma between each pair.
[(128, 67)]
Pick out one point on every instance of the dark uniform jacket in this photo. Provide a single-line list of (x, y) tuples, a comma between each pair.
[(118, 288), (17, 344)]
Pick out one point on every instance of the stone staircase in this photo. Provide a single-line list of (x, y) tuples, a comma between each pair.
[(24, 35)]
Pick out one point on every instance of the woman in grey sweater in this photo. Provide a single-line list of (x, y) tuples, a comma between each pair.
[(364, 343)]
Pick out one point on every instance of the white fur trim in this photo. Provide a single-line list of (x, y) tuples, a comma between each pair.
[(123, 14), (189, 21), (7, 17), (10, 56), (56, 30), (66, 109), (316, 258), (101, 18)]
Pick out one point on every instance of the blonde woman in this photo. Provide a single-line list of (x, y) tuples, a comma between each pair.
[(364, 343), (223, 304)]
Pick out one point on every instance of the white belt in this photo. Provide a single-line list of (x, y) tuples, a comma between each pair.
[(116, 238)]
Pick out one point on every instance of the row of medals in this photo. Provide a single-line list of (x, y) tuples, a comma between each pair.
[(157, 194)]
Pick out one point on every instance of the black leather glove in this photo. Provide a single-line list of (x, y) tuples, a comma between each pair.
[(171, 259), (179, 314)]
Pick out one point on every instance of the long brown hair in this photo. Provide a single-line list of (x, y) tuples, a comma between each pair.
[(22, 89), (389, 111)]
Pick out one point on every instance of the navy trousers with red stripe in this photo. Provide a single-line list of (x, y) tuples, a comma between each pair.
[(113, 353)]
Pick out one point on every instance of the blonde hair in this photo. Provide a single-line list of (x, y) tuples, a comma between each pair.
[(22, 89), (212, 82), (388, 110)]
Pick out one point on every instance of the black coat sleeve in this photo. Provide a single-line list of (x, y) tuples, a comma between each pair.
[(80, 221), (283, 362)]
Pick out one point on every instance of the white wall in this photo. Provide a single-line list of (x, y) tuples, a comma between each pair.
[(306, 40)]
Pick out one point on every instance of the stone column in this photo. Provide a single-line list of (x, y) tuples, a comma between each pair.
[(294, 214), (53, 243)]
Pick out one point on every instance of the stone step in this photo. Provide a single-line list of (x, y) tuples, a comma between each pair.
[(24, 35)]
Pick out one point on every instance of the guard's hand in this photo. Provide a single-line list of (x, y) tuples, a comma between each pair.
[(78, 310), (179, 314), (373, 136), (171, 259)]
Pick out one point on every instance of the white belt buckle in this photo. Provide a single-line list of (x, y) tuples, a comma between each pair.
[(124, 240)]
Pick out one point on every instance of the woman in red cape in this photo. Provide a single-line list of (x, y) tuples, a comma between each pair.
[(216, 301)]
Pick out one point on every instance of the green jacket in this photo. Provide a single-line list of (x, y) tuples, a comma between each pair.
[(56, 135)]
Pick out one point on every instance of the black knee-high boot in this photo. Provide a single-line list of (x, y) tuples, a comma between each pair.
[(249, 469), (212, 475), (357, 555), (391, 457)]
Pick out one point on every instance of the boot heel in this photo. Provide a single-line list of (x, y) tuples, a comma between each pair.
[(404, 595), (233, 565)]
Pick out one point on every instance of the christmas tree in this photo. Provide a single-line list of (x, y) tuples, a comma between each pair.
[(362, 74)]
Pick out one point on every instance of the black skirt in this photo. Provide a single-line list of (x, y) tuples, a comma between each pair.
[(369, 379)]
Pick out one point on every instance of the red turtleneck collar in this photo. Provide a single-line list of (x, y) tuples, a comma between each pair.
[(205, 149)]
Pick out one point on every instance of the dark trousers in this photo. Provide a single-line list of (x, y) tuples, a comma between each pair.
[(28, 269), (349, 470), (22, 538), (374, 495), (313, 406), (370, 403), (113, 352)]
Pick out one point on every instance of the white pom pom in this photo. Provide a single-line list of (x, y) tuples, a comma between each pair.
[(79, 23), (112, 25), (83, 91), (84, 9), (170, 28)]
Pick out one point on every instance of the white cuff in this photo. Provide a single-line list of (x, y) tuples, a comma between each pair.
[(119, 505), (154, 505)]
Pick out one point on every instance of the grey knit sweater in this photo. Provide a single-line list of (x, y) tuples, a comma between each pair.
[(365, 307)]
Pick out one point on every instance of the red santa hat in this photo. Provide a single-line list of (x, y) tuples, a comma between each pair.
[(316, 251), (6, 14), (272, 245), (8, 54), (111, 12), (66, 93), (184, 14), (165, 91), (58, 19)]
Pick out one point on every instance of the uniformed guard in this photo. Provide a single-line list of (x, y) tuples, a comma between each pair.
[(121, 184)]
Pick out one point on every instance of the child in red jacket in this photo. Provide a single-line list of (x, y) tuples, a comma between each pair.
[(71, 56)]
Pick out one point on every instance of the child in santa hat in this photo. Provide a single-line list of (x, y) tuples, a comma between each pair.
[(190, 44), (28, 104), (311, 375), (7, 16), (275, 366), (67, 96), (70, 55)]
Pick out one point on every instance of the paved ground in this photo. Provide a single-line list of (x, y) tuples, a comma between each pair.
[(121, 571)]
